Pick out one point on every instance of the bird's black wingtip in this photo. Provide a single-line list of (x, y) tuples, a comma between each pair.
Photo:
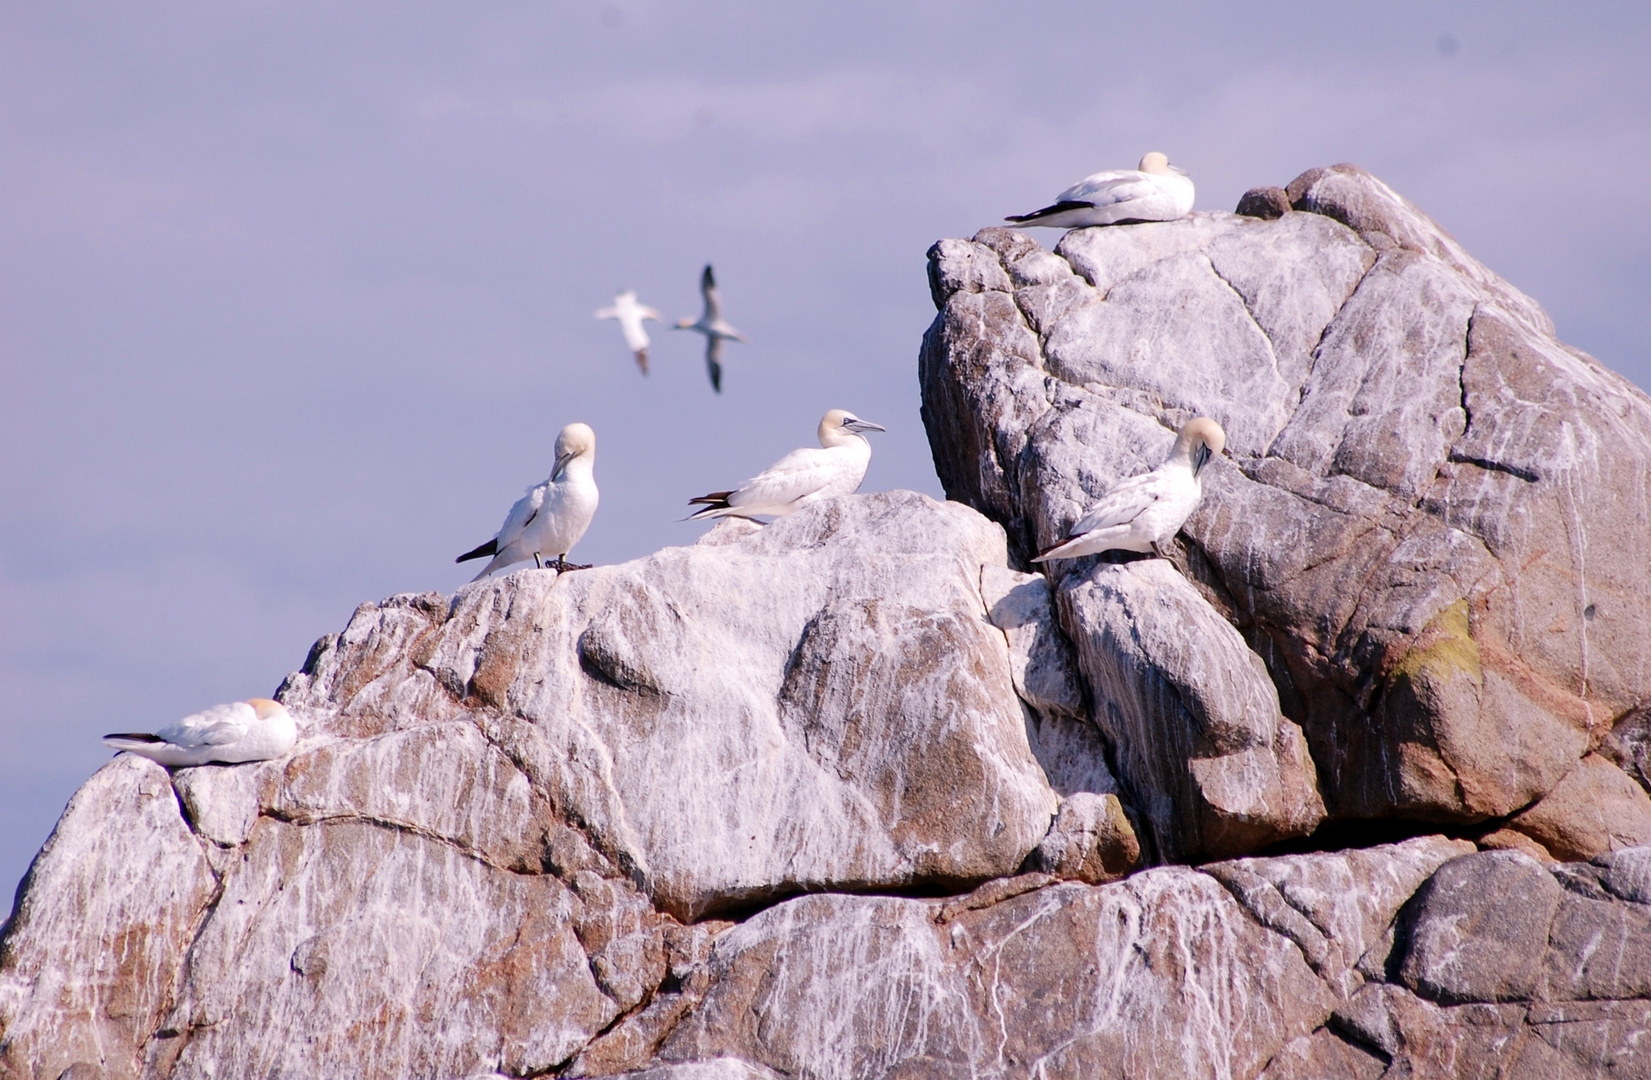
[(135, 736), (489, 548)]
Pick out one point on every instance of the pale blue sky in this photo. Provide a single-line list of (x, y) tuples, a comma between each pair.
[(294, 297)]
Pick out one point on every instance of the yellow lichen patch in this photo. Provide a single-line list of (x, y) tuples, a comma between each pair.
[(1443, 648)]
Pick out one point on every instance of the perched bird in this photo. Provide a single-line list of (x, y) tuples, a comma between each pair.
[(711, 325), (1157, 191), (630, 315), (801, 477), (1143, 511), (253, 730), (552, 516)]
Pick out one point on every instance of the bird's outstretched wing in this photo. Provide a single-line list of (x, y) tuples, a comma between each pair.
[(713, 359), (708, 289), (1127, 500)]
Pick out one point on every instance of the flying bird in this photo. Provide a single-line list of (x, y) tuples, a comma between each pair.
[(711, 325), (1156, 191), (552, 516), (257, 729), (1145, 510), (630, 315), (801, 477)]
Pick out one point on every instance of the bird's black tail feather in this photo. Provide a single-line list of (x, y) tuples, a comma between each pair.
[(489, 548), (1048, 210)]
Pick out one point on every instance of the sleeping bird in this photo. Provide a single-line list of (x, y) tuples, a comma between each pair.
[(257, 729), (1156, 191)]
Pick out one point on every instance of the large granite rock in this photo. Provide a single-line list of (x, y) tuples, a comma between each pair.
[(851, 796), (1432, 523)]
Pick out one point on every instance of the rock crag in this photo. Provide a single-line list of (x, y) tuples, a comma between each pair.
[(1351, 787)]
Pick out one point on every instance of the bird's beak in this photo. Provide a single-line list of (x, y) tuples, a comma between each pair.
[(561, 463), (858, 426)]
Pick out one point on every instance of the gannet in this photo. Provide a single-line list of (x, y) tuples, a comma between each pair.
[(630, 315), (253, 730), (1156, 191), (552, 516), (802, 476), (1145, 510), (711, 325)]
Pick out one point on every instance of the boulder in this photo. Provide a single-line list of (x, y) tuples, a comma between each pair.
[(780, 709), (91, 957), (1201, 749), (1407, 531)]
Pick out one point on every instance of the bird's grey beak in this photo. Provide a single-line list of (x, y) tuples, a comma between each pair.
[(1200, 458), (858, 426), (561, 463)]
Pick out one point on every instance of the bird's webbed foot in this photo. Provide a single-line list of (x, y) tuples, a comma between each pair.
[(561, 565)]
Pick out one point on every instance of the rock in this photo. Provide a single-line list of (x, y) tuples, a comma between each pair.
[(1628, 746), (1201, 748), (1091, 840), (1401, 532), (849, 795), (1266, 203), (1628, 873), (739, 721), (1479, 928), (1160, 975), (1336, 906), (92, 954), (1323, 1055), (1595, 809)]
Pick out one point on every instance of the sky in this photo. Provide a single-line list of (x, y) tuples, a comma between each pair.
[(295, 296)]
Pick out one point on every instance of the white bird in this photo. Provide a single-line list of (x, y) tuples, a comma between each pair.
[(801, 477), (552, 516), (1156, 191), (711, 325), (1145, 510), (257, 729), (630, 315)]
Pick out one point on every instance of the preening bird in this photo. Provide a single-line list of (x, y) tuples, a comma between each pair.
[(552, 516), (1145, 510), (1156, 191), (801, 477), (711, 325), (257, 729), (630, 315)]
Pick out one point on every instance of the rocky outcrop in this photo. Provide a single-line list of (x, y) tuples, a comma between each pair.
[(1431, 526), (853, 796)]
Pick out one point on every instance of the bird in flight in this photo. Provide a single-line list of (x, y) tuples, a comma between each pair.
[(630, 315), (711, 325)]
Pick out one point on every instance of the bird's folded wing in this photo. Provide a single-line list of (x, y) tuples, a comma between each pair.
[(1104, 190), (1123, 504), (211, 727), (520, 515), (799, 473)]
